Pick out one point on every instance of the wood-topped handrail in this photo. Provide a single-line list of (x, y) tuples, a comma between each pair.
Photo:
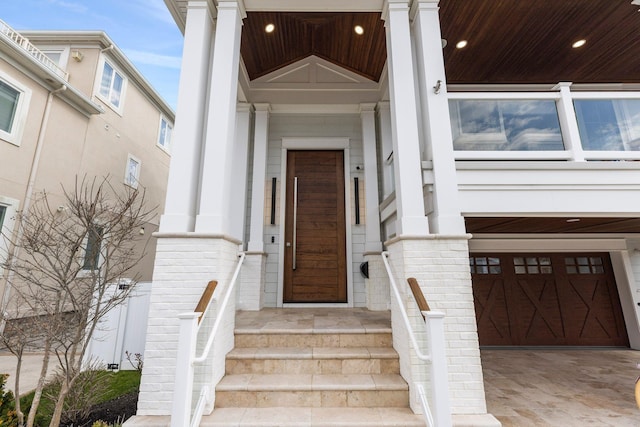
[(205, 298), (418, 295)]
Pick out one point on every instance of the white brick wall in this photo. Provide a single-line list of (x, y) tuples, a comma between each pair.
[(441, 267), (377, 285), (183, 267), (252, 278)]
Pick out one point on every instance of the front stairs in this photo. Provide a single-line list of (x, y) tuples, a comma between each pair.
[(312, 367)]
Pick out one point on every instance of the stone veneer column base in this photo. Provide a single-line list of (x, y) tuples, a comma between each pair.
[(441, 266), (184, 264)]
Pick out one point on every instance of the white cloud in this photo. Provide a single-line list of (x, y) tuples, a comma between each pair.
[(70, 5), (142, 57), (155, 8)]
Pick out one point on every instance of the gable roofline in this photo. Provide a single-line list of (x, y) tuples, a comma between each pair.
[(101, 39)]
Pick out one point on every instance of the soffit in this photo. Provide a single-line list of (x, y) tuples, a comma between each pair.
[(525, 225), (510, 41)]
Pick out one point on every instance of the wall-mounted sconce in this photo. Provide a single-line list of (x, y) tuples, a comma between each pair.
[(437, 87), (77, 55), (364, 269), (61, 208), (141, 232)]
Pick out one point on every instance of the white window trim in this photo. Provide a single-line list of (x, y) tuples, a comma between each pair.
[(131, 157), (15, 136), (167, 147), (8, 225), (98, 80)]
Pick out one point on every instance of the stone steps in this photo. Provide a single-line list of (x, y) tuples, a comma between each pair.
[(322, 376), (312, 417), (318, 360)]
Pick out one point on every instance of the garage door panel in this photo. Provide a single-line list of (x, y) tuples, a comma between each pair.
[(492, 311), (551, 299), (538, 308)]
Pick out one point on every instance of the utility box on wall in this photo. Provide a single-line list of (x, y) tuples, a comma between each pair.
[(123, 330)]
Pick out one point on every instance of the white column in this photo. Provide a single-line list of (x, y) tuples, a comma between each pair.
[(404, 121), (386, 148), (181, 200), (372, 224), (260, 143), (435, 118), (216, 185), (569, 122), (239, 171)]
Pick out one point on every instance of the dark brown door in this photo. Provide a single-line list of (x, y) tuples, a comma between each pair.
[(315, 234), (547, 299)]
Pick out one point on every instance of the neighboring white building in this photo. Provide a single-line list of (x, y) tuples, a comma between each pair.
[(71, 104), (502, 175)]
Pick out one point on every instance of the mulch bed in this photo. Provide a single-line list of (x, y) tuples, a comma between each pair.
[(114, 411)]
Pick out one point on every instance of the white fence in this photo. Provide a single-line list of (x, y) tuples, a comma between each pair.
[(123, 330)]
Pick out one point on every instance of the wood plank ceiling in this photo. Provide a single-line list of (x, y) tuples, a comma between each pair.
[(499, 225), (509, 41), (330, 36)]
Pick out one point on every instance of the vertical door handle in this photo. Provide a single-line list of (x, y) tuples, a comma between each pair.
[(295, 219)]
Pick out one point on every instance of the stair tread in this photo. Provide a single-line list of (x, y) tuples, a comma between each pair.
[(311, 331), (297, 382), (312, 353), (312, 417)]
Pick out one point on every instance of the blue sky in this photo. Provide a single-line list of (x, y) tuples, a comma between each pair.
[(143, 29)]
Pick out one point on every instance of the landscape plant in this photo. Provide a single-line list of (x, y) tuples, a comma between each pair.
[(71, 264)]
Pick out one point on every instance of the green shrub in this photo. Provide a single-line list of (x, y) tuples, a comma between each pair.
[(7, 404)]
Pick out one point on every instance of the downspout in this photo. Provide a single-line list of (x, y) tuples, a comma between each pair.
[(14, 252)]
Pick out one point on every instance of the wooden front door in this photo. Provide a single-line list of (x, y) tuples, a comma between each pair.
[(547, 299), (315, 231)]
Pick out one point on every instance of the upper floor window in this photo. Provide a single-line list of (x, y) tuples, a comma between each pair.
[(609, 124), (13, 108), (3, 211), (112, 85), (92, 251), (505, 125), (165, 134), (132, 173)]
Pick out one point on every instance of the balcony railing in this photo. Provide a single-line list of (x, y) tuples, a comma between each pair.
[(24, 43), (558, 125)]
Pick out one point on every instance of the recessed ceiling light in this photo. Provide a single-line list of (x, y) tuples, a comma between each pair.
[(579, 43), (269, 28), (462, 44), (573, 220), (359, 30)]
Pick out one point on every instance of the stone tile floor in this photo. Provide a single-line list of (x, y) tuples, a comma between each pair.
[(562, 387)]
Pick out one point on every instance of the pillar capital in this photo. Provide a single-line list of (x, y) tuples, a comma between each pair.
[(262, 107), (367, 108), (233, 4), (390, 5)]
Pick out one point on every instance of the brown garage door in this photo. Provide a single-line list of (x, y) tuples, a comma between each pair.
[(550, 299)]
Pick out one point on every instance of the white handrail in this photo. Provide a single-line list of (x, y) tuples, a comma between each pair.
[(441, 414), (422, 356), (223, 307), (24, 43), (425, 405), (199, 410)]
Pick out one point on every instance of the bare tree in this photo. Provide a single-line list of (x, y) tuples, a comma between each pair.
[(72, 264)]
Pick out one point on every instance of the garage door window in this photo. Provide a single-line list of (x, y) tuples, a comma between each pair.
[(532, 265), (584, 265), (485, 265)]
